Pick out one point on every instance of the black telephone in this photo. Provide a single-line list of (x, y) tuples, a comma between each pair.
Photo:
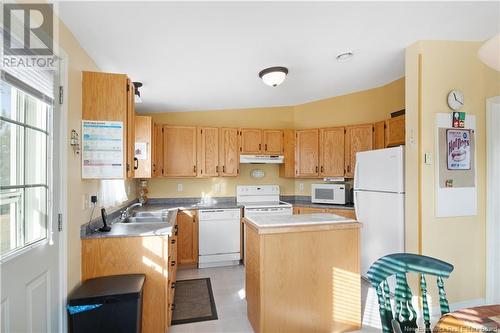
[(104, 216)]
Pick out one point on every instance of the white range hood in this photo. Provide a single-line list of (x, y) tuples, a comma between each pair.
[(262, 159)]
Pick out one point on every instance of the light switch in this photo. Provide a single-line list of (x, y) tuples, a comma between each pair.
[(301, 187), (216, 187), (428, 158), (180, 187)]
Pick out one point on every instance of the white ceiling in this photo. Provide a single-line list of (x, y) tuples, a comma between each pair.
[(201, 56)]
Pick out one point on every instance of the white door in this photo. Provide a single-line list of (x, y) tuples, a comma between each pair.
[(493, 201), (382, 216), (380, 170), (30, 276)]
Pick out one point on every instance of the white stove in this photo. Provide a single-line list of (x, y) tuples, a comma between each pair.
[(262, 200)]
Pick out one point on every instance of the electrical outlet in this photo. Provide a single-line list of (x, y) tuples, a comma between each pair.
[(301, 187), (180, 187), (428, 158), (216, 187)]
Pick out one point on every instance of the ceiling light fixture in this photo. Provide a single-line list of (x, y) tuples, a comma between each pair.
[(345, 56), (137, 85), (273, 76), (489, 53)]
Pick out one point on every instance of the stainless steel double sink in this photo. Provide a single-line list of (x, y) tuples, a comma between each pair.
[(158, 216)]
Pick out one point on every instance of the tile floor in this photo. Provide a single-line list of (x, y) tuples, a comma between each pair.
[(228, 286)]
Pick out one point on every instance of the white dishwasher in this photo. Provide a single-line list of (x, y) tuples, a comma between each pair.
[(219, 237)]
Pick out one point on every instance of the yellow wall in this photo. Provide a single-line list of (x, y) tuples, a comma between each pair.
[(361, 107), (459, 240), (78, 61)]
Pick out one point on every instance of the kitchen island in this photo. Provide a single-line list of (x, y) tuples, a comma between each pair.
[(302, 273)]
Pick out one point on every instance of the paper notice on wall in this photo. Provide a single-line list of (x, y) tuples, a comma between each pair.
[(459, 154), (102, 149)]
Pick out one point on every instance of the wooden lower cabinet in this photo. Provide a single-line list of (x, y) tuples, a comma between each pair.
[(154, 256), (187, 221), (305, 281), (348, 213)]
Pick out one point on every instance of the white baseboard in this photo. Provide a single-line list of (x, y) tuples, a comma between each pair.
[(436, 311)]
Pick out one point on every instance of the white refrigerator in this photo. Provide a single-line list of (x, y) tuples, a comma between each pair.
[(379, 202)]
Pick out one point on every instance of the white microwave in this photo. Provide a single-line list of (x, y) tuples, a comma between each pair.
[(336, 194)]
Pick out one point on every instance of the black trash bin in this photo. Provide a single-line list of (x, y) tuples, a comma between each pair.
[(107, 304)]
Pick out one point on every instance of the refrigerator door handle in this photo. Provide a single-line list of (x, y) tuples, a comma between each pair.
[(355, 199), (356, 174)]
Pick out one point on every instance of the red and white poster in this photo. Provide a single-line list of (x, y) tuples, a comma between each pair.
[(458, 146)]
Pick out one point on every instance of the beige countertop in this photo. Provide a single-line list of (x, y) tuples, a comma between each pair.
[(298, 223)]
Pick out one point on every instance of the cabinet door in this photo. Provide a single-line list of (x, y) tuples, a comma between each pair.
[(379, 135), (143, 136), (395, 131), (105, 97), (251, 141), (208, 151), (187, 238), (331, 155), (287, 169), (131, 159), (273, 142), (311, 210), (158, 151), (348, 213), (179, 147), (229, 159), (307, 153), (358, 138)]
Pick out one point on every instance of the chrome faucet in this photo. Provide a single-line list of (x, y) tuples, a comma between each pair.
[(125, 212)]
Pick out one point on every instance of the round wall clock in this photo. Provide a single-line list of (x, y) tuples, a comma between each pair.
[(455, 100)]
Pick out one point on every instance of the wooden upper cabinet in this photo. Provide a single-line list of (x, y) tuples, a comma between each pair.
[(158, 150), (331, 152), (395, 131), (287, 168), (179, 149), (379, 135), (144, 135), (208, 151), (109, 97), (273, 142), (358, 138), (229, 159), (307, 145), (251, 141), (187, 239)]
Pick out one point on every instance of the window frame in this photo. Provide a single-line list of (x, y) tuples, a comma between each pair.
[(21, 226)]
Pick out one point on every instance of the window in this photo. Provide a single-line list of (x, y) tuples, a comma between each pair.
[(24, 181)]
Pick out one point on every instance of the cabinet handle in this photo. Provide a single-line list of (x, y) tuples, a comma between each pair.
[(216, 168), (176, 228), (172, 241), (265, 147), (224, 169), (172, 285), (316, 168), (260, 146), (172, 263), (194, 168), (136, 163), (173, 307), (322, 169), (348, 168)]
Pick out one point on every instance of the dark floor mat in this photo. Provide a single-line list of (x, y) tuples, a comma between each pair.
[(194, 301)]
